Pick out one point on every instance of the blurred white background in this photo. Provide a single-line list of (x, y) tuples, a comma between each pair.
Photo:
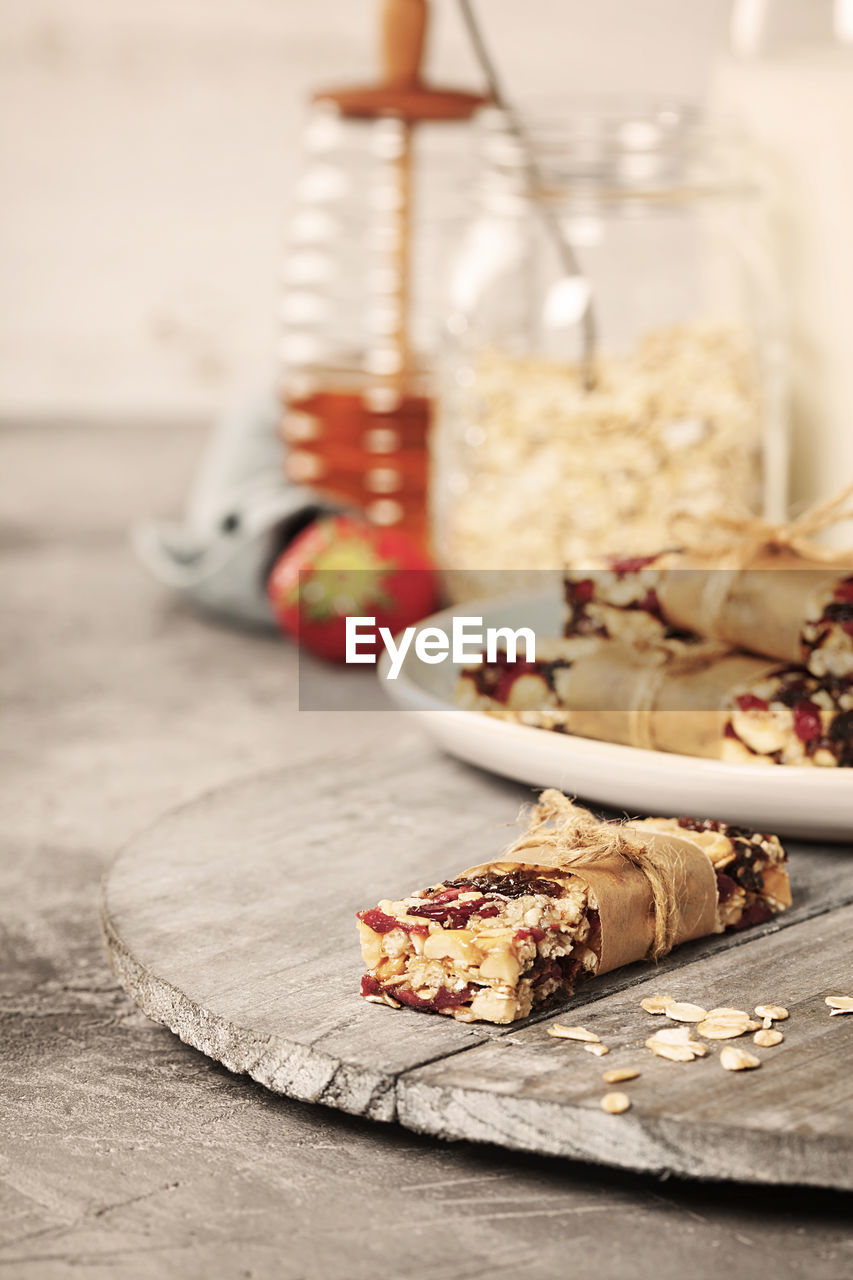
[(147, 151)]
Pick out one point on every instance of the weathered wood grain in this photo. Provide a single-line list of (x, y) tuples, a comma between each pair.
[(127, 1154), (790, 1121), (231, 921)]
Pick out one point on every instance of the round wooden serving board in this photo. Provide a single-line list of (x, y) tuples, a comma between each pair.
[(232, 922)]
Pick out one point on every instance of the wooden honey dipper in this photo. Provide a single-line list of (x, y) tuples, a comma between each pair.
[(404, 97)]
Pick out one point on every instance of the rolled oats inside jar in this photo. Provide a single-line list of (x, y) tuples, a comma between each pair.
[(533, 470)]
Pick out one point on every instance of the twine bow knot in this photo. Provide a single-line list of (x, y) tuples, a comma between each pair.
[(751, 535), (579, 838)]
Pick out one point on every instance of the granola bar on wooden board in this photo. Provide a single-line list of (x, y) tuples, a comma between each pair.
[(781, 605), (571, 898), (674, 696)]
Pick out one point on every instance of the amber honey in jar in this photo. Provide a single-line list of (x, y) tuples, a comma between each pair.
[(366, 448), (363, 296)]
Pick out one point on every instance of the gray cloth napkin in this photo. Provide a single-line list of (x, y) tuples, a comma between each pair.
[(240, 516)]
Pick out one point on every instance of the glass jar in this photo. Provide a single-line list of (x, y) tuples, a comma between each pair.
[(361, 307), (579, 413), (787, 83)]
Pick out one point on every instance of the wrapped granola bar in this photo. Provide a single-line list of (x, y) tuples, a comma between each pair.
[(573, 897), (781, 605), (693, 699)]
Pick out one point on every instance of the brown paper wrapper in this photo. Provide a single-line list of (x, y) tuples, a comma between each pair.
[(755, 587), (762, 606), (623, 894), (658, 698)]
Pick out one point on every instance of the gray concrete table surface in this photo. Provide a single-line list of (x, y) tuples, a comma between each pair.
[(125, 1153)]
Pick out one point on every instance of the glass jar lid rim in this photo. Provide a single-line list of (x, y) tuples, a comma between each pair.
[(632, 121), (616, 141)]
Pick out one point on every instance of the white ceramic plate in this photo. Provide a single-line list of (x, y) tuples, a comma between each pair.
[(795, 801)]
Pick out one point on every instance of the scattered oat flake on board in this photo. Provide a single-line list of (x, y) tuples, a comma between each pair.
[(713, 1030), (767, 1037), (685, 1012), (615, 1103), (572, 1033), (723, 1014), (616, 1075), (673, 1035), (598, 1049), (777, 1012), (655, 1004), (673, 1052), (733, 1059), (840, 1004)]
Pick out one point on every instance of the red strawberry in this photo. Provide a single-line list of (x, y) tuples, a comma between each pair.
[(342, 567)]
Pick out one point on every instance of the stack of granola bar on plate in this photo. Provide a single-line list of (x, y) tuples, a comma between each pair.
[(751, 663)]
